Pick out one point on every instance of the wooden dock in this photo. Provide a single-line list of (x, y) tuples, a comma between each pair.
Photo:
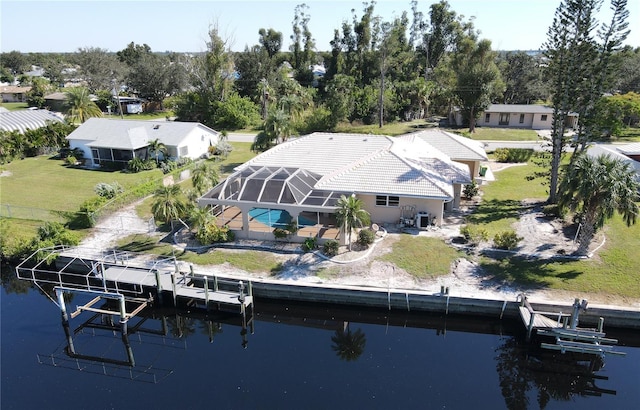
[(564, 330)]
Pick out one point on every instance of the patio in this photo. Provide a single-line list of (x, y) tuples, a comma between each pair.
[(325, 230)]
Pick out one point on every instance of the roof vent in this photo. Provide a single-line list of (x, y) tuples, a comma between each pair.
[(155, 127)]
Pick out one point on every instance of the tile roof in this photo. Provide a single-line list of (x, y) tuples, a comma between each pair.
[(369, 164), (630, 149), (455, 146), (321, 152), (26, 119)]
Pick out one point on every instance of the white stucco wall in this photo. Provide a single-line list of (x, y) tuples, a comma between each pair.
[(197, 143), (391, 214), (82, 145)]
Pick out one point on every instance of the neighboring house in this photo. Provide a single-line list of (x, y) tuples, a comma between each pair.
[(118, 141), (456, 147), (629, 154), (531, 116), (399, 180), (23, 120), (14, 93), (56, 101), (631, 150)]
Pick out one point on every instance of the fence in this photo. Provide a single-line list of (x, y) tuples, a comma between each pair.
[(25, 212)]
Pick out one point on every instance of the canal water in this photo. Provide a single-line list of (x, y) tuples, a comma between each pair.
[(295, 357)]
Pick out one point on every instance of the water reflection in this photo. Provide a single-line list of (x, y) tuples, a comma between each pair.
[(523, 369), (348, 345), (391, 348)]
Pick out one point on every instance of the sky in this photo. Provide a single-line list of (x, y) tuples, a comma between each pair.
[(182, 26)]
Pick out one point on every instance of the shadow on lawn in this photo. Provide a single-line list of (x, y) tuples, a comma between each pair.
[(495, 210), (526, 272)]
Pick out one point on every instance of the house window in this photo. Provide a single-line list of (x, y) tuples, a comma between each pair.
[(487, 117), (504, 118), (184, 151), (384, 200), (543, 117), (521, 118)]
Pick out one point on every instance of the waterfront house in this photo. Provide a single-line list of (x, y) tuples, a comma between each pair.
[(401, 181)]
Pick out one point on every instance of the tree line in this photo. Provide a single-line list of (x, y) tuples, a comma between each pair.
[(423, 63)]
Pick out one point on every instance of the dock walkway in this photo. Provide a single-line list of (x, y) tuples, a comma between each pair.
[(122, 273), (564, 330)]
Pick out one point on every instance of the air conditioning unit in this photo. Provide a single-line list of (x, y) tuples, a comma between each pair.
[(423, 221)]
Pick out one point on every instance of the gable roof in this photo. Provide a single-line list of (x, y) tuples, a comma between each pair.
[(23, 120), (457, 147), (128, 134)]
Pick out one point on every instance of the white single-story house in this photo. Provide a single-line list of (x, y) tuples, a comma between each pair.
[(531, 116), (458, 148), (14, 93), (399, 180), (23, 120), (106, 140)]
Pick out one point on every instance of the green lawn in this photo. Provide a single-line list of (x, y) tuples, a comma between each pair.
[(14, 106), (45, 183), (499, 134), (613, 270), (392, 129), (250, 261), (422, 257)]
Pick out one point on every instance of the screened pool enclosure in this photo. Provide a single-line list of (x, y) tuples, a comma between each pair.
[(280, 189)]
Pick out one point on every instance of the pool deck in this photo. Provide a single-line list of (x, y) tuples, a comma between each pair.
[(232, 218)]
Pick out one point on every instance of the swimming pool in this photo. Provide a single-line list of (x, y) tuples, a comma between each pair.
[(277, 218)]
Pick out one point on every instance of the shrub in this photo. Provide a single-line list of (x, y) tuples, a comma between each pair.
[(223, 149), (474, 234), (211, 233), (552, 210), (70, 160), (470, 190), (366, 237), (506, 240), (330, 247), (168, 166), (309, 244), (86, 214), (513, 154), (108, 191), (280, 233), (135, 165)]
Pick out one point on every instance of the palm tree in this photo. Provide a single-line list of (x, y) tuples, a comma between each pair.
[(278, 126), (200, 217), (350, 214), (168, 204), (597, 187), (80, 107), (203, 177), (157, 147)]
